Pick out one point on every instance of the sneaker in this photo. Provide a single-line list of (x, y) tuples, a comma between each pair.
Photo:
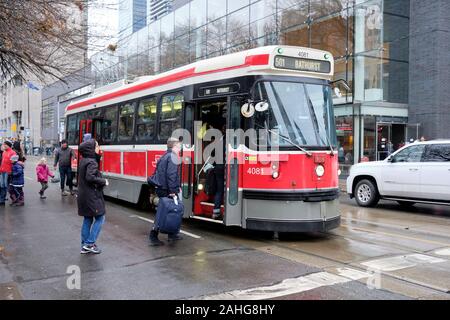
[(43, 197), (84, 251), (92, 248), (217, 216), (64, 193), (173, 238), (73, 193)]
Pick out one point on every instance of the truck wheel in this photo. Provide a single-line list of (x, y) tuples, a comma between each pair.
[(366, 194)]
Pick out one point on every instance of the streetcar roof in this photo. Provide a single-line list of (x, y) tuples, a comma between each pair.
[(258, 61)]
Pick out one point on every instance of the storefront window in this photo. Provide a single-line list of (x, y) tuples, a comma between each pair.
[(369, 153), (344, 130)]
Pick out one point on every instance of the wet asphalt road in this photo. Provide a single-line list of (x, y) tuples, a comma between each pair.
[(405, 255)]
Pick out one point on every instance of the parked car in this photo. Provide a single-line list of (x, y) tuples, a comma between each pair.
[(419, 172)]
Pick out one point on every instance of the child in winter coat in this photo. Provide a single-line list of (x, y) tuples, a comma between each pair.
[(43, 172), (17, 182)]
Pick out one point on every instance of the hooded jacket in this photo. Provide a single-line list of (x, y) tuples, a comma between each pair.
[(43, 172), (90, 195), (17, 176), (6, 165)]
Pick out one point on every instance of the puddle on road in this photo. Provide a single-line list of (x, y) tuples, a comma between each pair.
[(9, 291)]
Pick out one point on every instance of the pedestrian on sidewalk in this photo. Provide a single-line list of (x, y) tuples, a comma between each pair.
[(17, 182), (5, 170), (91, 204), (18, 148), (64, 156), (167, 174), (43, 172)]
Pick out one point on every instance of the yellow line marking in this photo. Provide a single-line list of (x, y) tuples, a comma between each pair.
[(398, 235)]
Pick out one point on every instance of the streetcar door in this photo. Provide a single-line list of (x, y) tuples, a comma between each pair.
[(233, 197), (85, 127), (187, 167)]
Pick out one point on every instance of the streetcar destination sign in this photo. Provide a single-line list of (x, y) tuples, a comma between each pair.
[(301, 64)]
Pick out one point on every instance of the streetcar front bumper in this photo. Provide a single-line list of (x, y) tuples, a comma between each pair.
[(312, 211)]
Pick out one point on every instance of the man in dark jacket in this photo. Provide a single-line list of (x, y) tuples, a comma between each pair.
[(64, 157), (167, 173), (91, 204)]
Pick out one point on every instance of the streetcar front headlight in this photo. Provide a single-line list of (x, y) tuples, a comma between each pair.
[(339, 172), (275, 174), (200, 187), (320, 170)]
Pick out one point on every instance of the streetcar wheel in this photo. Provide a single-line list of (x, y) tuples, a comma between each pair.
[(366, 194), (406, 204)]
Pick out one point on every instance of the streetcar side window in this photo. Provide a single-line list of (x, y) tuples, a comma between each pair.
[(170, 115), (109, 125), (146, 120), (72, 129), (126, 121)]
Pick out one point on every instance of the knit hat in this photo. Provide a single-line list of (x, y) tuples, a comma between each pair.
[(8, 143), (15, 158), (87, 137)]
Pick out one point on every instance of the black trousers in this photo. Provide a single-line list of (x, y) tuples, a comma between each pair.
[(65, 173)]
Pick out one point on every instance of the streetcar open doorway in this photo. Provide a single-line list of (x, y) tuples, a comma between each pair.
[(210, 166)]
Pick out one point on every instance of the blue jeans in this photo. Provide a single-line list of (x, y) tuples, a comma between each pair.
[(91, 229), (4, 185)]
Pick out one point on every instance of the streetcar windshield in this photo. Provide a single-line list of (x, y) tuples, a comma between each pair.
[(300, 113)]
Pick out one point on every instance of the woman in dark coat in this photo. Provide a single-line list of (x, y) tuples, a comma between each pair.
[(91, 204)]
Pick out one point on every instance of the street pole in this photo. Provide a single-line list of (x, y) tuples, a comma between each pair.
[(28, 119), (57, 120)]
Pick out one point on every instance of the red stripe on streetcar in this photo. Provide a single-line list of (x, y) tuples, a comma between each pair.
[(256, 60)]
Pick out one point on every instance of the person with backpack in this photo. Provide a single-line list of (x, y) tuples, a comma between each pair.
[(63, 157), (43, 172), (91, 204), (17, 182), (166, 180)]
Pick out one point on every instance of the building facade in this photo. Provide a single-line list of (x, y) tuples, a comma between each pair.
[(20, 102), (55, 98), (399, 87)]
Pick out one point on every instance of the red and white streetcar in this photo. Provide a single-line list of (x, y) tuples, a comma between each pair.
[(289, 184)]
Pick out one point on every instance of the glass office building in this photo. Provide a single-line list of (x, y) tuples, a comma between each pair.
[(369, 40)]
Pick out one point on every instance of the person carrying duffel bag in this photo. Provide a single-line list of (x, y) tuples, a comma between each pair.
[(166, 181)]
